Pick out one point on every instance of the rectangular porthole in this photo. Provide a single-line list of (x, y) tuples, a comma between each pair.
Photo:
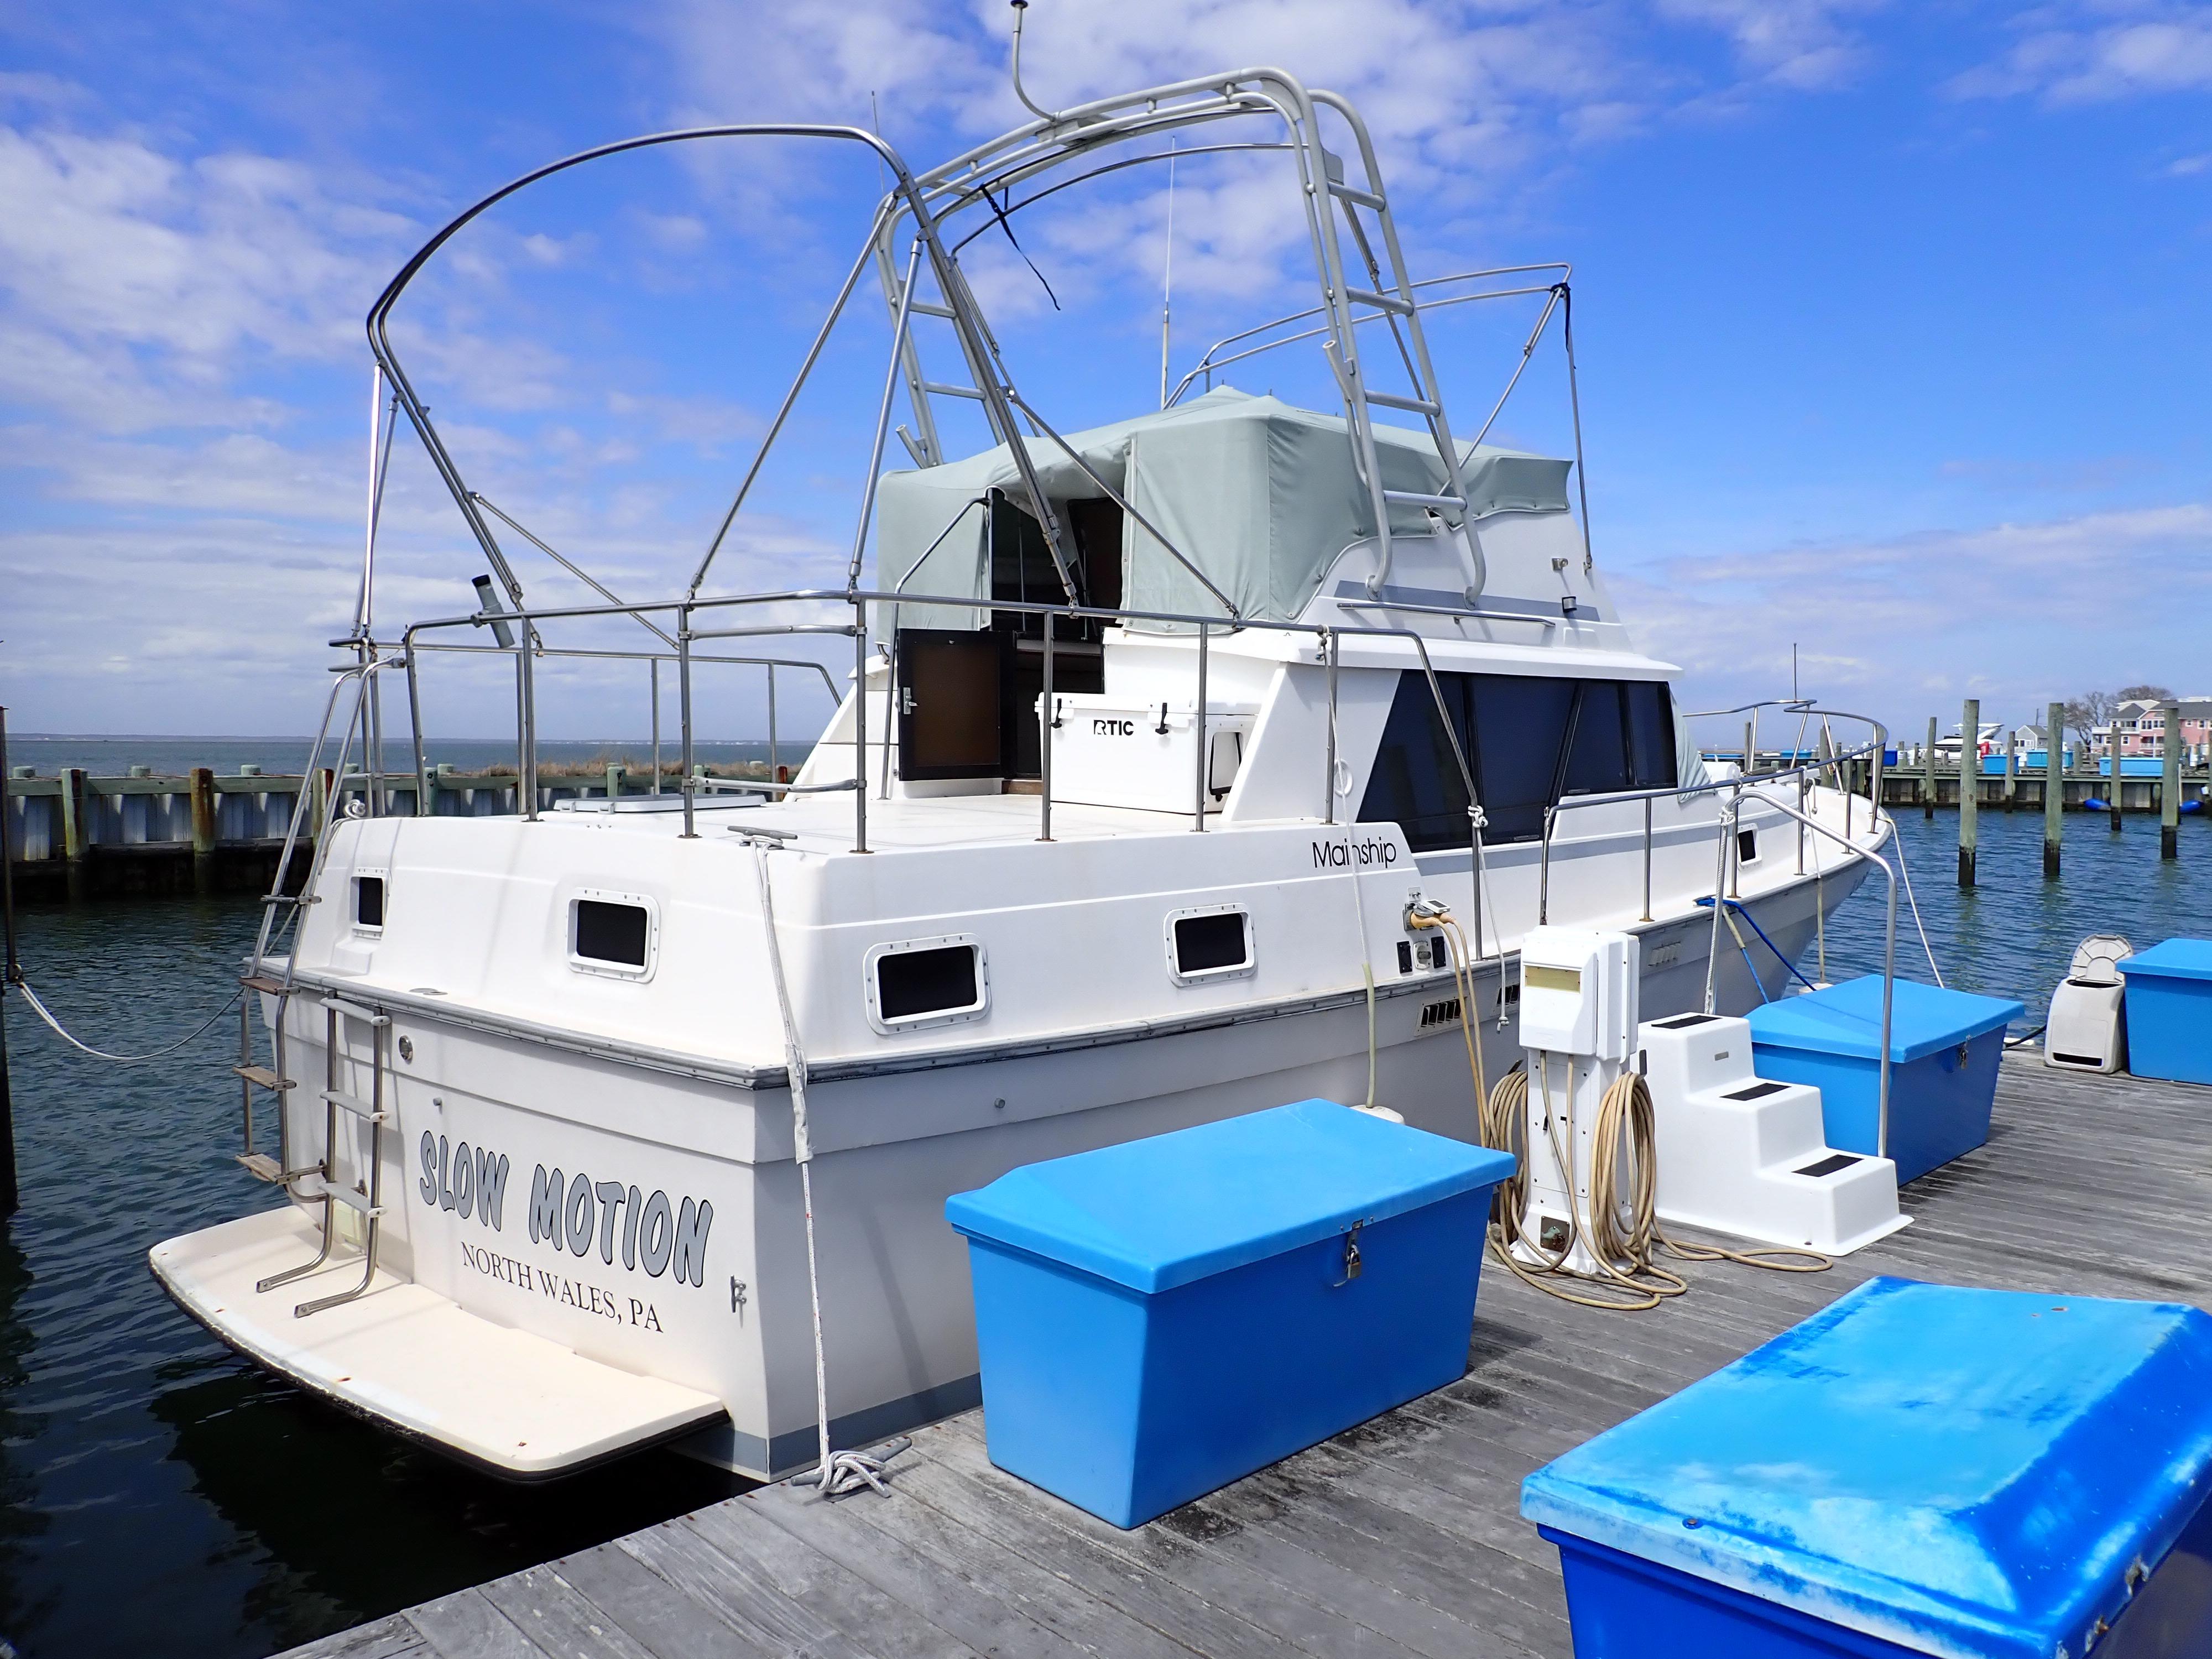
[(1213, 942), (923, 983), (616, 934), (1747, 846), (369, 903)]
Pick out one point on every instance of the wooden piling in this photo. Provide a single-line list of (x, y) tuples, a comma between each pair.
[(2169, 784), (2011, 769), (1928, 773), (10, 976), (2054, 786), (203, 829), (2113, 754), (1970, 787)]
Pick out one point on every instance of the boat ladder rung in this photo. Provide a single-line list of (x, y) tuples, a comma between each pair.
[(354, 1011), (1366, 198), (1366, 297), (353, 1104), (262, 1078), (352, 1200), (1414, 405), (261, 1166), (263, 983), (1412, 498)]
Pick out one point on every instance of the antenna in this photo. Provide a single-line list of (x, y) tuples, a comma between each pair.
[(1034, 108), (1167, 279)]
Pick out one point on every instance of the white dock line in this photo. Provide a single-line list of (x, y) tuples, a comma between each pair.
[(838, 1472)]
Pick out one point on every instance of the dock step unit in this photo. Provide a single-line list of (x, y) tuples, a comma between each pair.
[(512, 1403), (1747, 1155)]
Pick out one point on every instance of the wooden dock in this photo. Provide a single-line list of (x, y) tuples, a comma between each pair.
[(1401, 1537)]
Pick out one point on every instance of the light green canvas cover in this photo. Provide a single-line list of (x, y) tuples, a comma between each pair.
[(1259, 495)]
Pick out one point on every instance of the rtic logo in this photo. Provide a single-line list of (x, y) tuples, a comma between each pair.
[(1112, 728)]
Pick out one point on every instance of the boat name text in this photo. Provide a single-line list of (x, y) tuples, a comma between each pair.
[(1342, 854), (651, 1231)]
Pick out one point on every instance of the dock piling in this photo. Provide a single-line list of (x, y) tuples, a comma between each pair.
[(2054, 786), (203, 829), (1970, 787), (2011, 769), (2169, 783), (10, 975), (1928, 773)]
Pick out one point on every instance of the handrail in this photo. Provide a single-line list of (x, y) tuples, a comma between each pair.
[(1576, 803)]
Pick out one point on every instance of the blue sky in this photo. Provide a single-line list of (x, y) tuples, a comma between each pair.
[(1892, 319)]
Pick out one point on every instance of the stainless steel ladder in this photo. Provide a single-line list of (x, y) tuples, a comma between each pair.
[(273, 1079), (367, 1201)]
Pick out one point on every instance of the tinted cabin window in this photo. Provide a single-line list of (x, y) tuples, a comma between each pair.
[(1520, 727), (1416, 783), (368, 901), (1651, 735), (1206, 944), (911, 983), (1527, 739), (1597, 759), (611, 933)]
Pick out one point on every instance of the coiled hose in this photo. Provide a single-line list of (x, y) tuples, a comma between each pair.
[(1623, 1225)]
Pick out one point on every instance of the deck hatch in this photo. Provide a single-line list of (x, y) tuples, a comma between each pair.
[(928, 981)]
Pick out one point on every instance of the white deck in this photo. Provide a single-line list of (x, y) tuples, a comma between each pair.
[(518, 1404)]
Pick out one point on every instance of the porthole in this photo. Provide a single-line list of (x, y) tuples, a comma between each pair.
[(368, 901), (1747, 846), (616, 934), (916, 983), (1214, 942)]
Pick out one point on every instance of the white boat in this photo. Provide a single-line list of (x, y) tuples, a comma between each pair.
[(540, 1165)]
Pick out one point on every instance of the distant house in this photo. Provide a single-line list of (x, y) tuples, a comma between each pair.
[(2139, 725)]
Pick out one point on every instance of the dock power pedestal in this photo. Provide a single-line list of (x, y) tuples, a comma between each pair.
[(1578, 1026)]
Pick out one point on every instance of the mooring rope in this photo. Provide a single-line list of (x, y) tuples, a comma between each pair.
[(63, 1032), (838, 1471)]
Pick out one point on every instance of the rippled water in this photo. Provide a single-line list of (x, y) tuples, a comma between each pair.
[(2013, 933), (158, 1496)]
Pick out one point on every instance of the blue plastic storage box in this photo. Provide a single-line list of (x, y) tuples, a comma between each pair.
[(1944, 1047), (1919, 1469), (2169, 1010), (1159, 1318)]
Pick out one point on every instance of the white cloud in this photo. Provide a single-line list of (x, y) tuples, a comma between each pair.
[(2099, 52), (1803, 45), (1899, 628)]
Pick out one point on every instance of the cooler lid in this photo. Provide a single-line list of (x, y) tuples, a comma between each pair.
[(2177, 958), (1846, 1019), (1164, 1211), (1962, 1472)]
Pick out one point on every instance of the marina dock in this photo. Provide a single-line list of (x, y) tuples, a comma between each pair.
[(1401, 1537)]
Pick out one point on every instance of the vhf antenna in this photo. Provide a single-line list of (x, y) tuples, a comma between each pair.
[(1028, 103)]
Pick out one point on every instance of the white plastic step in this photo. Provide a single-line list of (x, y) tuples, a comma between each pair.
[(519, 1404), (1739, 1155)]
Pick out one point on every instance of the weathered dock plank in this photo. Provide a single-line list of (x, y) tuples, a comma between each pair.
[(1401, 1539)]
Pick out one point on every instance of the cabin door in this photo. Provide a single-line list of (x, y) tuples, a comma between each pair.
[(948, 713)]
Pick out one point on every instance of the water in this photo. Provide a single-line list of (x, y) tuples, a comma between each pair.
[(2013, 934), (159, 1495), (114, 757)]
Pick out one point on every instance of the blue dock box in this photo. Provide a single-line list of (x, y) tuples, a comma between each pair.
[(1918, 1469), (1159, 1318), (2169, 1010), (1944, 1047)]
